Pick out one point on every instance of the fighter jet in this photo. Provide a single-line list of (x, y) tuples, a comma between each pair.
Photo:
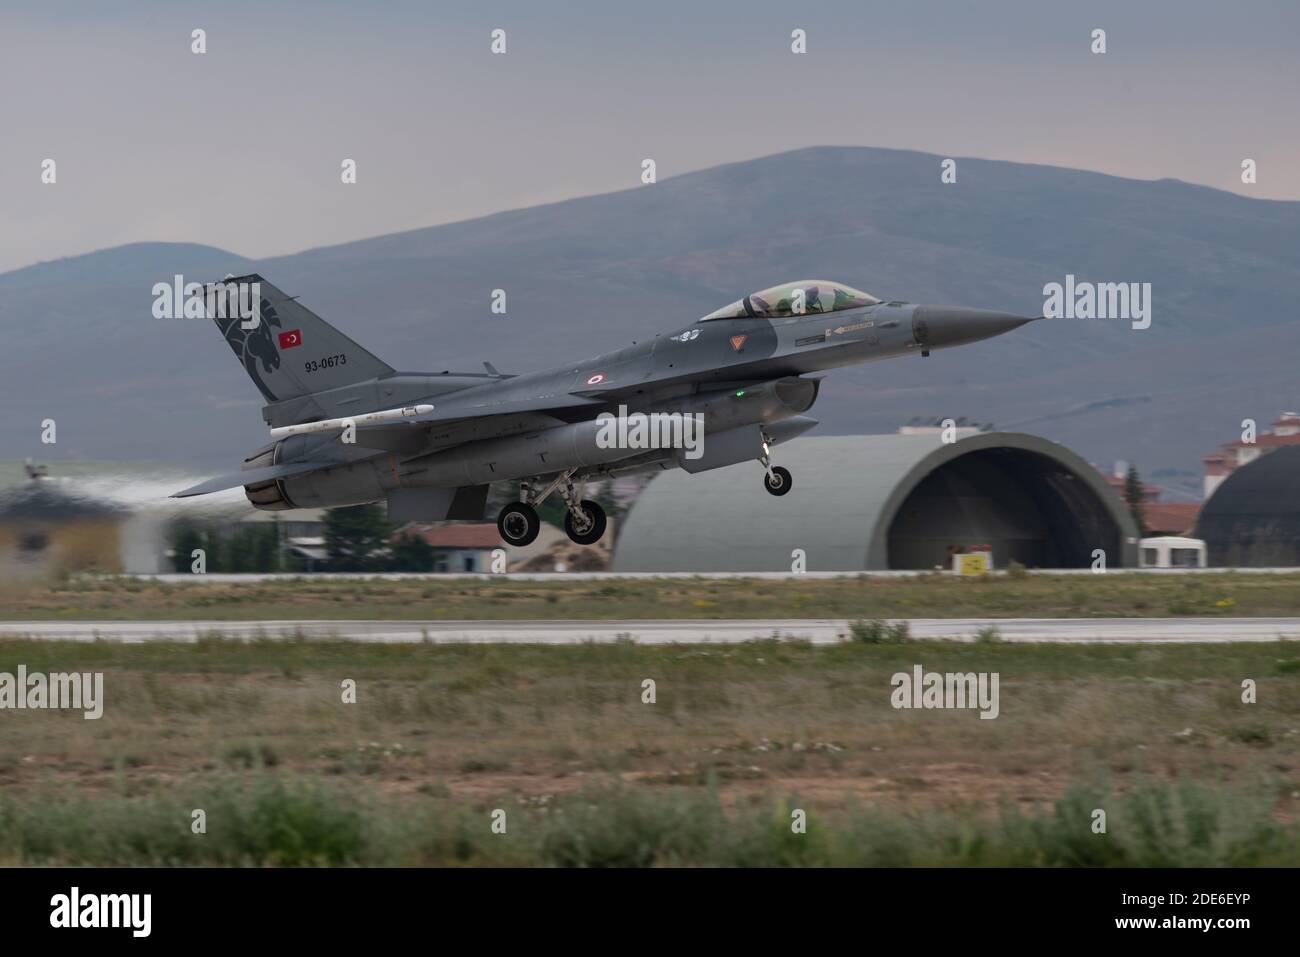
[(348, 429)]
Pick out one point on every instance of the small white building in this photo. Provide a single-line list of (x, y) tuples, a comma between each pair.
[(1172, 551)]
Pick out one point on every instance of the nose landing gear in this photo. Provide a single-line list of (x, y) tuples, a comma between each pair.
[(778, 480)]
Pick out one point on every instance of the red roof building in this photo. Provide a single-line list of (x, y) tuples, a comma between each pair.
[(457, 548), (1233, 455), (1170, 518), (1159, 518), (453, 536)]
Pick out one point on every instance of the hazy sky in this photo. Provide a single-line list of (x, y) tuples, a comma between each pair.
[(241, 147)]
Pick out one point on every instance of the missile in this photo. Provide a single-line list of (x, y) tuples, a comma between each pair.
[(367, 418)]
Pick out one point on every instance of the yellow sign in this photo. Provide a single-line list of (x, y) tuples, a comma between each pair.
[(972, 563)]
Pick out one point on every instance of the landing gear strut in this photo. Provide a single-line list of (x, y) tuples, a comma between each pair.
[(777, 480), (584, 520)]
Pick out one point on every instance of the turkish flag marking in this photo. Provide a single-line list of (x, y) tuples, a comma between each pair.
[(290, 339), (738, 341)]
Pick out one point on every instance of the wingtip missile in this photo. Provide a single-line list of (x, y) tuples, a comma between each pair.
[(383, 417)]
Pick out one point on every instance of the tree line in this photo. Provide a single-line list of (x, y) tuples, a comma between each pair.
[(358, 538)]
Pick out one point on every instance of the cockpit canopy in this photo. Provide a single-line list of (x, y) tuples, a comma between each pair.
[(806, 297)]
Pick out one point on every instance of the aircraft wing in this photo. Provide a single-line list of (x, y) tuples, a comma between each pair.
[(474, 407), (398, 433), (394, 422)]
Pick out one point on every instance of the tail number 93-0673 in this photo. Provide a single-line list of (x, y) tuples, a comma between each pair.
[(329, 362)]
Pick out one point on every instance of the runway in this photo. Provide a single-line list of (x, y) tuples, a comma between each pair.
[(209, 578), (658, 632)]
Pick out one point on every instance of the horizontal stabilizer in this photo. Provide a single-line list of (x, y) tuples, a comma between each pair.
[(251, 477)]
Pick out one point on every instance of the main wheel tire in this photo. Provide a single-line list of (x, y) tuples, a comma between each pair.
[(595, 528), (518, 524), (778, 481)]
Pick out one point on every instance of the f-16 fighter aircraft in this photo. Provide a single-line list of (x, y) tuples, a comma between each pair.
[(348, 429)]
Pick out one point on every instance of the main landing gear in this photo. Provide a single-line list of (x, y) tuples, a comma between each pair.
[(777, 480), (518, 524), (584, 520), (585, 523)]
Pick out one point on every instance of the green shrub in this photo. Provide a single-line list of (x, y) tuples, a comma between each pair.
[(267, 822), (876, 632)]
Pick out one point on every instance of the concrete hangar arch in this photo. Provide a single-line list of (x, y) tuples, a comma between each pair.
[(876, 502)]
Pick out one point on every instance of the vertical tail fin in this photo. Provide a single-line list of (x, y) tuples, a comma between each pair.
[(287, 350)]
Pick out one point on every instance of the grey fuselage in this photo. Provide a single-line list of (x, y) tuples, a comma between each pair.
[(659, 368), (737, 373)]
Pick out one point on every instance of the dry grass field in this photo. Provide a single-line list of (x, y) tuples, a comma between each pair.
[(926, 596), (559, 737)]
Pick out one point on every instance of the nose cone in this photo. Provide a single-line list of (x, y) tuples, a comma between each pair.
[(934, 327)]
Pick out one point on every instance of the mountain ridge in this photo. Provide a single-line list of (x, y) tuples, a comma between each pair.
[(592, 273)]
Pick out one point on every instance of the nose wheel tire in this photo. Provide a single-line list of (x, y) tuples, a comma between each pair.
[(587, 529), (778, 481), (518, 524)]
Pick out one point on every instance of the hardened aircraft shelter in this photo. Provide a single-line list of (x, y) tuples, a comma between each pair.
[(879, 502)]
